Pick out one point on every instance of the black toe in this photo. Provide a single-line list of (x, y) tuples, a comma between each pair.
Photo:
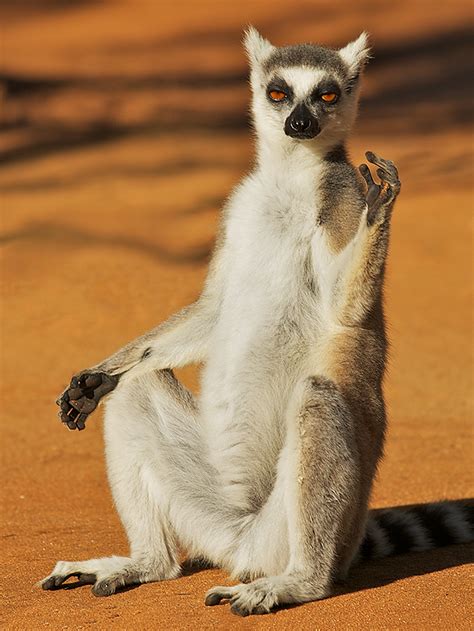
[(213, 599)]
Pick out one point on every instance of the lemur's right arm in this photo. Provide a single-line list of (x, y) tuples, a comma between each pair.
[(180, 340), (183, 339)]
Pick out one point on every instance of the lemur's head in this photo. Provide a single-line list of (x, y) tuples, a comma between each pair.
[(304, 92)]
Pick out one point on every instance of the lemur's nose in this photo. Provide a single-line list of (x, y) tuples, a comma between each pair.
[(301, 123)]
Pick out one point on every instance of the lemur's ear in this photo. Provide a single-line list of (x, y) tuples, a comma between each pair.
[(258, 48), (356, 54)]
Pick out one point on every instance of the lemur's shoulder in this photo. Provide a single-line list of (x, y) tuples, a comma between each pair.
[(341, 198)]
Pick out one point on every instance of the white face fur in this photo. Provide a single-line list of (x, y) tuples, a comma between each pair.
[(304, 93)]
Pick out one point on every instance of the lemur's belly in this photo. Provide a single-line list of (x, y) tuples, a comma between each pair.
[(257, 355)]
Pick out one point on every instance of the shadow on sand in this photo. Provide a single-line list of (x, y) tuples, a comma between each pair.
[(76, 237)]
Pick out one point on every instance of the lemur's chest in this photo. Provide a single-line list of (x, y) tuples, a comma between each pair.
[(269, 295), (266, 267), (270, 238)]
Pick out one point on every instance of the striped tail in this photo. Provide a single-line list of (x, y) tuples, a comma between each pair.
[(417, 527)]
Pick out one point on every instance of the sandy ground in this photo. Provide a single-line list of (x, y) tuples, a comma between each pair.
[(124, 128)]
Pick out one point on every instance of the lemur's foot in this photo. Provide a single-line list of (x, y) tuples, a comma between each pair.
[(108, 574), (381, 196), (252, 598), (82, 397)]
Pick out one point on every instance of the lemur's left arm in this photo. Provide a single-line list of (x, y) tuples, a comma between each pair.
[(351, 280), (364, 277)]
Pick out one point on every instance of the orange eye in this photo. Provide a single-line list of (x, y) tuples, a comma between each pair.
[(277, 95), (330, 97)]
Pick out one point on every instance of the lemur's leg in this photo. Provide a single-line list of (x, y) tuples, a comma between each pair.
[(164, 489), (321, 487), (180, 340), (362, 279)]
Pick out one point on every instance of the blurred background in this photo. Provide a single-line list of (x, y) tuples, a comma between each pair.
[(124, 126)]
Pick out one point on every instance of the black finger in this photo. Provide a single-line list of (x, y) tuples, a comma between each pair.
[(72, 414), (74, 407), (108, 384), (394, 184), (84, 405), (366, 174), (81, 422), (213, 599), (372, 157), (74, 393), (88, 406), (63, 397), (72, 418), (239, 611), (91, 380), (63, 415), (384, 175), (89, 579), (53, 582), (393, 170), (391, 173), (380, 162), (387, 165)]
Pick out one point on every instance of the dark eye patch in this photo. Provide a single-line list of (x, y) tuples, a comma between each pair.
[(279, 85), (328, 86)]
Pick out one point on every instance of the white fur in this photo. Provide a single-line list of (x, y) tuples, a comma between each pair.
[(267, 251), (356, 53), (258, 48), (302, 79)]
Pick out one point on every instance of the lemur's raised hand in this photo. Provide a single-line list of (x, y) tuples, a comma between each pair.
[(380, 197), (268, 474)]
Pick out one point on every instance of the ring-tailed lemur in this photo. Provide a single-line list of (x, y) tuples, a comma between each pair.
[(268, 474)]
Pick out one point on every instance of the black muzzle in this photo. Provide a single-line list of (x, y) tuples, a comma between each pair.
[(301, 124)]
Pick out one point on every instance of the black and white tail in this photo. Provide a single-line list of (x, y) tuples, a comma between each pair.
[(418, 527)]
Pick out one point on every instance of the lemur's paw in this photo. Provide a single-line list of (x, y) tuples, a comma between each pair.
[(112, 584), (258, 597), (380, 196), (82, 397), (64, 570), (107, 575)]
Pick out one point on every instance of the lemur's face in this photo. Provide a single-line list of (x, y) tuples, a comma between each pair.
[(304, 92), (304, 101)]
